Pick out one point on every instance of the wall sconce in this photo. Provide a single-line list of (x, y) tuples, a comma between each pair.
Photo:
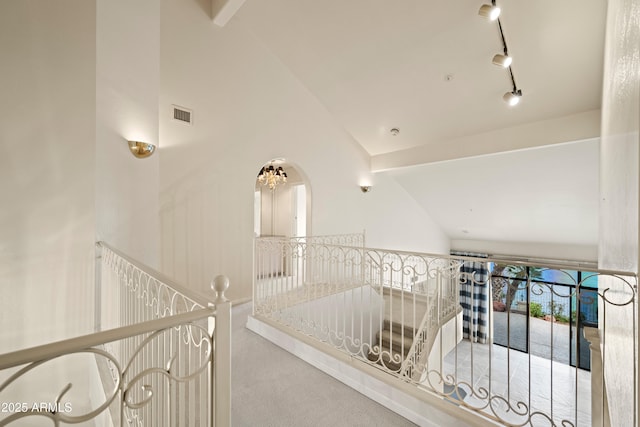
[(141, 149), (365, 188)]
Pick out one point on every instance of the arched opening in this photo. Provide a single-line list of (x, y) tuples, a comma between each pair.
[(281, 208)]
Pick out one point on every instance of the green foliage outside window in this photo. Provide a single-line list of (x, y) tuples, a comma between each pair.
[(535, 310)]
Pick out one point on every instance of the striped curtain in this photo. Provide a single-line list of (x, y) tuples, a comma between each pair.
[(474, 299)]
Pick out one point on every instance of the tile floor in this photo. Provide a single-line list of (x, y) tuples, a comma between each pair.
[(550, 389)]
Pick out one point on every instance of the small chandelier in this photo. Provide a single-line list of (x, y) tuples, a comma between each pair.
[(272, 176)]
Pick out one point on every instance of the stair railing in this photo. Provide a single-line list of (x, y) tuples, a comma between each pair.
[(415, 364), (161, 356), (134, 390), (132, 292), (127, 291), (419, 292)]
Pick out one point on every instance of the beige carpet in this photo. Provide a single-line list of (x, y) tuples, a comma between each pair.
[(272, 387)]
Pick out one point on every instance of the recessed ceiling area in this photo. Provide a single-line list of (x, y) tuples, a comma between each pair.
[(545, 195), (376, 64)]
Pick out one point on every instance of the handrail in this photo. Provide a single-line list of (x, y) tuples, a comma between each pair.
[(196, 296), (514, 262), (59, 348), (418, 340), (340, 238)]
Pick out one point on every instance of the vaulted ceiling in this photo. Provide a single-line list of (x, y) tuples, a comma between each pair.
[(424, 67)]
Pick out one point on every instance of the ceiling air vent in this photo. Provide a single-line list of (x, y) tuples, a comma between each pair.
[(183, 115)]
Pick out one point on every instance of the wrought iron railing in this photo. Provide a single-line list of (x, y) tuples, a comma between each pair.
[(140, 383), (371, 303), (130, 292), (353, 298), (162, 357)]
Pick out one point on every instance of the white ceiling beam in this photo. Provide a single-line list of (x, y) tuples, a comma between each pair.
[(223, 10), (575, 127)]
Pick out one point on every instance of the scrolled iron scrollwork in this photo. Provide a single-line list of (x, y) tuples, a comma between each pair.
[(131, 385), (58, 409), (161, 298), (436, 282)]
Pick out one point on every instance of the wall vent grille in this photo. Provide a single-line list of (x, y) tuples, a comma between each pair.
[(183, 115)]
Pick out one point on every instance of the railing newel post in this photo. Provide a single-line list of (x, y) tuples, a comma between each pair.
[(221, 372), (598, 396)]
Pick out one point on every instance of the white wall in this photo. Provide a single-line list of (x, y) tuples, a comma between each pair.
[(553, 251), (276, 211), (618, 241), (78, 76), (78, 79), (47, 160), (619, 146), (127, 86), (395, 220), (249, 109)]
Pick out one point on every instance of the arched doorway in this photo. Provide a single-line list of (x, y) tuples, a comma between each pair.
[(283, 208)]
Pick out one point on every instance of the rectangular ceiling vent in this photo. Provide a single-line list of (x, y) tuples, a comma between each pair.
[(183, 115)]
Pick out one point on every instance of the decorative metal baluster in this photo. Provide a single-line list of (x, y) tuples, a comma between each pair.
[(394, 275)]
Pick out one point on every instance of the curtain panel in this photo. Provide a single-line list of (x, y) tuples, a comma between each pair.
[(474, 298)]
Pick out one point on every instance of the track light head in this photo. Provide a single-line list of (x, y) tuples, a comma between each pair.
[(512, 98), (502, 60), (490, 11)]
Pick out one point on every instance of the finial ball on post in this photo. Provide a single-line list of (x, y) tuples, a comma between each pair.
[(220, 284)]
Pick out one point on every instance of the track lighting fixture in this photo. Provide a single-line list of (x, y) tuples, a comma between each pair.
[(490, 11), (502, 59)]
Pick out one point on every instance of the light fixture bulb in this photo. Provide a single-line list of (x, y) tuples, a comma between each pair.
[(489, 11), (502, 60), (512, 98)]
